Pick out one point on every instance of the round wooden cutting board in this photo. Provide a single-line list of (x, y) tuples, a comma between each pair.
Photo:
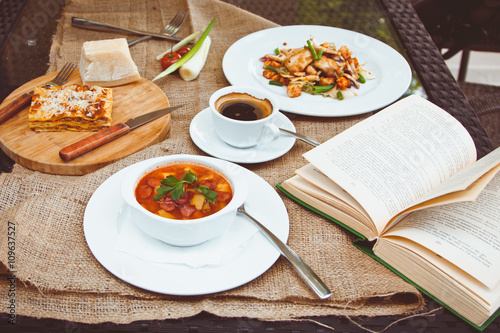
[(40, 150)]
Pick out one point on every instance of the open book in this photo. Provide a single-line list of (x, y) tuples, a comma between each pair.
[(407, 179)]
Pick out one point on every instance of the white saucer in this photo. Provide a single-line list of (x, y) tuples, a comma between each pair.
[(203, 135), (101, 228)]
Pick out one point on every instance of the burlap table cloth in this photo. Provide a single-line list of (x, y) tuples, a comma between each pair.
[(57, 276)]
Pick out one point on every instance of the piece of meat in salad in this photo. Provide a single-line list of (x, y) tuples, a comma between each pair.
[(318, 69)]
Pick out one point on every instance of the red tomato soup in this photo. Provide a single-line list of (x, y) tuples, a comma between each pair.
[(195, 202)]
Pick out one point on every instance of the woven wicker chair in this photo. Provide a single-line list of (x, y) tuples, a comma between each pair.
[(465, 26), (485, 100), (461, 26), (487, 108)]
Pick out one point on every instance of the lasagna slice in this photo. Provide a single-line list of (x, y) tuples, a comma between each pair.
[(70, 108)]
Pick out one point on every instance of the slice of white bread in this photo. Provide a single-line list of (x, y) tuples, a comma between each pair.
[(107, 63)]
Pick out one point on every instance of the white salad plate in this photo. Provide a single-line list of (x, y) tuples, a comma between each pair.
[(204, 136), (104, 217), (242, 66)]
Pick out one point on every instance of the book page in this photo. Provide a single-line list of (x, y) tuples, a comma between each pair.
[(467, 177), (466, 234), (301, 189), (392, 159), (446, 282), (310, 173), (453, 193), (406, 255)]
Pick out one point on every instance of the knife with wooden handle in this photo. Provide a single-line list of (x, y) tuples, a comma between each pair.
[(15, 106), (114, 132)]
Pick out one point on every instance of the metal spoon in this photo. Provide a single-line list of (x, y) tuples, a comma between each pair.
[(307, 273), (301, 137)]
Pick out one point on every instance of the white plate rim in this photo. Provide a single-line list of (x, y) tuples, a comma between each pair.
[(388, 87), (236, 155), (257, 258)]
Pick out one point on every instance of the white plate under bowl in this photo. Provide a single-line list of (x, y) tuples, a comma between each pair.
[(101, 229), (242, 66)]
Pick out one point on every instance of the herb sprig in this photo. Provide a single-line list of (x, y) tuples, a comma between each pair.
[(176, 186)]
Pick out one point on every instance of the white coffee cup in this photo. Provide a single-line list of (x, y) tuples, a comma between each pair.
[(228, 116)]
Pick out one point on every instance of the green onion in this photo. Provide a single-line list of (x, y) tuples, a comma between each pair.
[(361, 78), (277, 51), (177, 46), (339, 95), (322, 89), (275, 83), (313, 51), (188, 55), (320, 53), (271, 68)]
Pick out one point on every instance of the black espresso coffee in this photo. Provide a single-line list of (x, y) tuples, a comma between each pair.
[(243, 107)]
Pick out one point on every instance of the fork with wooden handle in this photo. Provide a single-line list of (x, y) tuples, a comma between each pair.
[(22, 101)]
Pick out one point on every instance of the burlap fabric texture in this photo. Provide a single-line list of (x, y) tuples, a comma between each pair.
[(57, 276)]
